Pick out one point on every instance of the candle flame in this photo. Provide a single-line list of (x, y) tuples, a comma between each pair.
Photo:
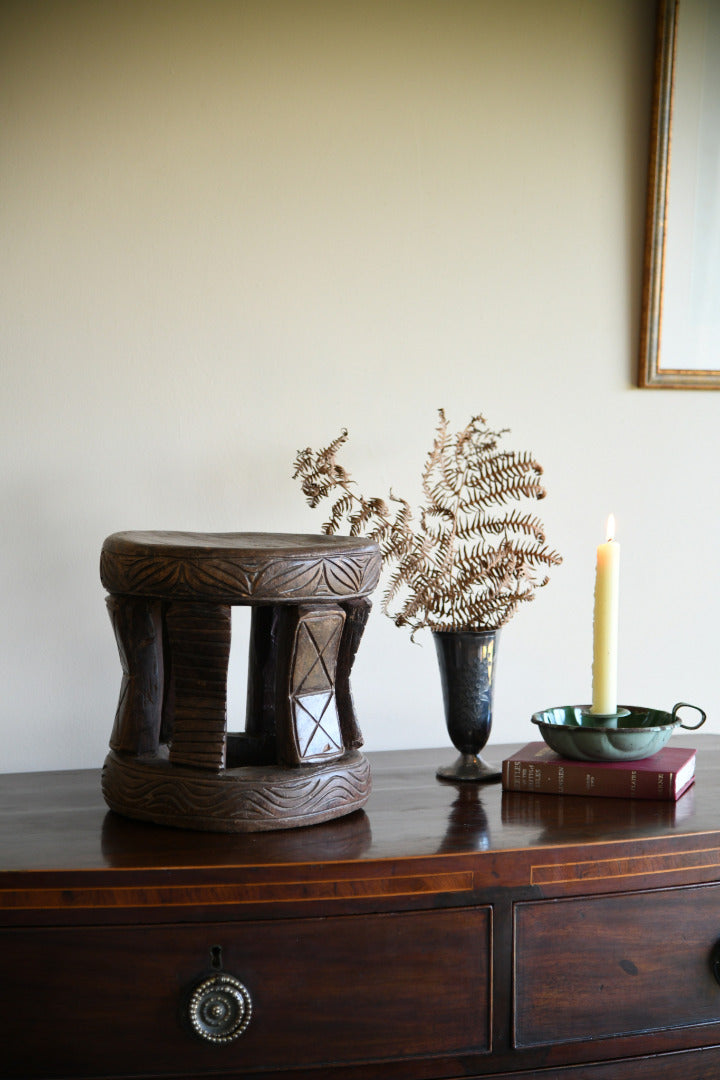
[(610, 527)]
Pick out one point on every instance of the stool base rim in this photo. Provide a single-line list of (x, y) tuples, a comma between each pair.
[(244, 799)]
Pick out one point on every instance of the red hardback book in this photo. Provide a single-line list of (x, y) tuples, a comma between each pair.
[(537, 768)]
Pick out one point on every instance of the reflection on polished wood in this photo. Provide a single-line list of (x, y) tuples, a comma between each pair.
[(409, 814)]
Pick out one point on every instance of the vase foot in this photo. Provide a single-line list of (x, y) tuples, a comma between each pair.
[(470, 767)]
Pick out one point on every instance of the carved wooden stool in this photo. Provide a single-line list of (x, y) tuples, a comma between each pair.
[(172, 760)]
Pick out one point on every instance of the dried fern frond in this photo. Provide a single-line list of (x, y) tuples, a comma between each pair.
[(460, 564)]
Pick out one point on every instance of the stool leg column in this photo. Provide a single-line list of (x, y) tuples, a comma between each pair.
[(356, 617), (198, 651), (262, 657), (306, 715), (137, 624)]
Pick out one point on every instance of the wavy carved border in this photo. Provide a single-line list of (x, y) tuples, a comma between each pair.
[(242, 800)]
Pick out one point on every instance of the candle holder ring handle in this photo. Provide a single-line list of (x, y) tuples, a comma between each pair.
[(686, 705)]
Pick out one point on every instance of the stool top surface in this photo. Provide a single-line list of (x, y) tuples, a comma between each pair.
[(239, 568), (243, 544)]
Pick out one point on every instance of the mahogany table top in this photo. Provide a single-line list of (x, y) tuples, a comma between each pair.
[(58, 820)]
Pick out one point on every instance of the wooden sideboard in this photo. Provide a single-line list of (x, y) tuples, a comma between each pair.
[(443, 931)]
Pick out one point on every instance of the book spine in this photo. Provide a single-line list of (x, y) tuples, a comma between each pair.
[(581, 778)]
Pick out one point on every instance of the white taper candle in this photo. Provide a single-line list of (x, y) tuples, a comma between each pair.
[(605, 624)]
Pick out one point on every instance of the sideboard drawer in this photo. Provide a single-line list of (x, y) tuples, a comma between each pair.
[(113, 1000), (615, 965)]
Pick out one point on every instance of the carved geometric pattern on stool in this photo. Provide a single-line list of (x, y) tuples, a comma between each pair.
[(316, 724), (316, 650), (312, 685)]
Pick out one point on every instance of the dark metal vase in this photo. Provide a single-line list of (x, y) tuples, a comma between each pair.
[(467, 661)]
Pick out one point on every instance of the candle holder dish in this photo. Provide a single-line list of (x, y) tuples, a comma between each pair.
[(632, 733)]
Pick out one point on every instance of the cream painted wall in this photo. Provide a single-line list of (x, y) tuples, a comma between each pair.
[(229, 229)]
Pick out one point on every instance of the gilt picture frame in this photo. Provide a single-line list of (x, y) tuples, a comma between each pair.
[(680, 315)]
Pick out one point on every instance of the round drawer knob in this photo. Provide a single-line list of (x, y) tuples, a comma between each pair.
[(715, 960), (220, 1009)]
